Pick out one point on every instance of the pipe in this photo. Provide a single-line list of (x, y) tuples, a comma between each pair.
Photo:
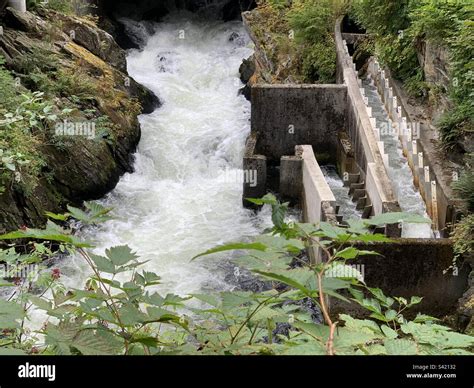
[(19, 5)]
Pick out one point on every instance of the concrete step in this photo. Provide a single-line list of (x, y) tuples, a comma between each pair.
[(367, 212), (358, 193), (351, 178), (361, 202), (354, 186)]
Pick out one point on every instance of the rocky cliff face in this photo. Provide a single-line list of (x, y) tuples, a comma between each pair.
[(80, 67), (434, 59)]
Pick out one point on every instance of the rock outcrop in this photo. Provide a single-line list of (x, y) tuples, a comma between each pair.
[(89, 61)]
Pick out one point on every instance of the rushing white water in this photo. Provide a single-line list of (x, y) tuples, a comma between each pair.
[(185, 194), (347, 207), (400, 173)]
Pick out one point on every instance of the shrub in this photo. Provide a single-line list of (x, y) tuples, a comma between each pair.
[(313, 22), (464, 186), (129, 317), (463, 237)]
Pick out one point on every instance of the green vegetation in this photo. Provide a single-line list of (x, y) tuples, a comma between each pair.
[(399, 28), (313, 21), (119, 311), (63, 6), (20, 156), (464, 186), (298, 38), (463, 237), (463, 231)]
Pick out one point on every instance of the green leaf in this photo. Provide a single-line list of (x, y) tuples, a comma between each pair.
[(10, 314), (148, 341), (232, 247), (151, 278), (361, 325), (209, 299), (348, 253), (78, 214), (120, 255), (400, 347), (331, 231), (131, 315), (40, 303), (49, 234), (332, 284), (415, 300), (103, 264), (57, 217), (268, 199), (422, 318), (11, 352), (378, 293), (372, 305), (389, 332), (286, 280), (390, 315), (91, 343)]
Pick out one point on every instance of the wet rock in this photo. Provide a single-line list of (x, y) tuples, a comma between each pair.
[(247, 70), (80, 168), (237, 39)]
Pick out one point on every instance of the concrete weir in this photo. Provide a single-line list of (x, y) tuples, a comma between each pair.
[(296, 128)]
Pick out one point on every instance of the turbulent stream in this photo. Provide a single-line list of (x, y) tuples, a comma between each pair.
[(185, 194)]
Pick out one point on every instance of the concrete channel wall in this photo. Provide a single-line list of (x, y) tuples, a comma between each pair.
[(362, 131), (412, 267), (284, 116), (319, 202)]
